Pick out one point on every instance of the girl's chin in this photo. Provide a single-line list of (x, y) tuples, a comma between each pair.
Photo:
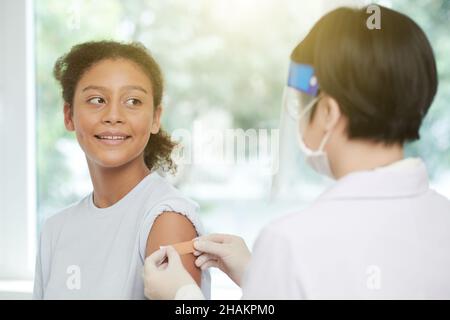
[(111, 162)]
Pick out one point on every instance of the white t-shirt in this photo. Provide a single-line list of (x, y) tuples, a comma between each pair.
[(86, 252)]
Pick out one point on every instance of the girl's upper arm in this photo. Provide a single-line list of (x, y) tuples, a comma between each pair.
[(170, 228)]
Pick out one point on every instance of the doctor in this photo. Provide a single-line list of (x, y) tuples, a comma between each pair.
[(357, 95)]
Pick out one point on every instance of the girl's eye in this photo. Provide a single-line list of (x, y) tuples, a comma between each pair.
[(133, 102), (97, 100)]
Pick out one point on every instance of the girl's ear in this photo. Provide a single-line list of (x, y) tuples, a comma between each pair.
[(156, 124), (68, 117)]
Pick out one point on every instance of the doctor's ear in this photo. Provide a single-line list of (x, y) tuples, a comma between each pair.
[(68, 117), (328, 112), (156, 124)]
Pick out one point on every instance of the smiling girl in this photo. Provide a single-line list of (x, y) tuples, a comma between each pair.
[(95, 249)]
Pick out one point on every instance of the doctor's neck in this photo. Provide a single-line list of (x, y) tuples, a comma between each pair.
[(361, 155)]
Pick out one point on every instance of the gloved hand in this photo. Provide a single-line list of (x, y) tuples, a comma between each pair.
[(163, 280), (227, 252)]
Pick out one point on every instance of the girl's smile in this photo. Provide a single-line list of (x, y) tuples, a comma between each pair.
[(111, 138)]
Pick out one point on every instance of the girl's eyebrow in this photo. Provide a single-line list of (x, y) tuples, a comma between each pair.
[(94, 88), (130, 87)]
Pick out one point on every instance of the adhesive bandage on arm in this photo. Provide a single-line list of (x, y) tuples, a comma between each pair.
[(183, 247)]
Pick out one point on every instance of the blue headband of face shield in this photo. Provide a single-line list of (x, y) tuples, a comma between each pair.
[(303, 78), (301, 91)]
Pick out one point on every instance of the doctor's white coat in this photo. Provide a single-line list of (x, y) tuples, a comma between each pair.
[(378, 234)]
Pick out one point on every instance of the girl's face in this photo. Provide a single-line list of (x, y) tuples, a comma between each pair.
[(113, 114)]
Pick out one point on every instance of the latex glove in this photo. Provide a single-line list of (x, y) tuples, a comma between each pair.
[(227, 252), (163, 280)]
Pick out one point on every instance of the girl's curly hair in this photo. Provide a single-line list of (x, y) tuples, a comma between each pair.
[(70, 67)]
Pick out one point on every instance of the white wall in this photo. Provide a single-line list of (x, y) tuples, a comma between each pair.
[(17, 143)]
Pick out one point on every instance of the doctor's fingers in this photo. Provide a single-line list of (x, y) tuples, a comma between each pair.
[(197, 253), (154, 260), (210, 264), (203, 258), (163, 266), (206, 261), (173, 256), (210, 247)]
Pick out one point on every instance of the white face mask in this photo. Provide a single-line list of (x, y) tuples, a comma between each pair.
[(316, 159)]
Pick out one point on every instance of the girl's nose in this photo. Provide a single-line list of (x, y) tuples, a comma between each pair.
[(114, 113)]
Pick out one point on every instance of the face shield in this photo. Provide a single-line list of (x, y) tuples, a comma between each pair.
[(299, 97)]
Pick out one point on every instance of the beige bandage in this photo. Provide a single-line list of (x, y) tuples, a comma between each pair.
[(184, 247)]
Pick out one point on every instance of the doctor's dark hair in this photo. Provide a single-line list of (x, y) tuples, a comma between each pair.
[(70, 67), (384, 80)]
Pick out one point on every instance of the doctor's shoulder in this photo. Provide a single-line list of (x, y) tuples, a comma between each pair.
[(299, 224), (438, 200)]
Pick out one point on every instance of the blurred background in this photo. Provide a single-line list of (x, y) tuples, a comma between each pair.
[(225, 64)]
